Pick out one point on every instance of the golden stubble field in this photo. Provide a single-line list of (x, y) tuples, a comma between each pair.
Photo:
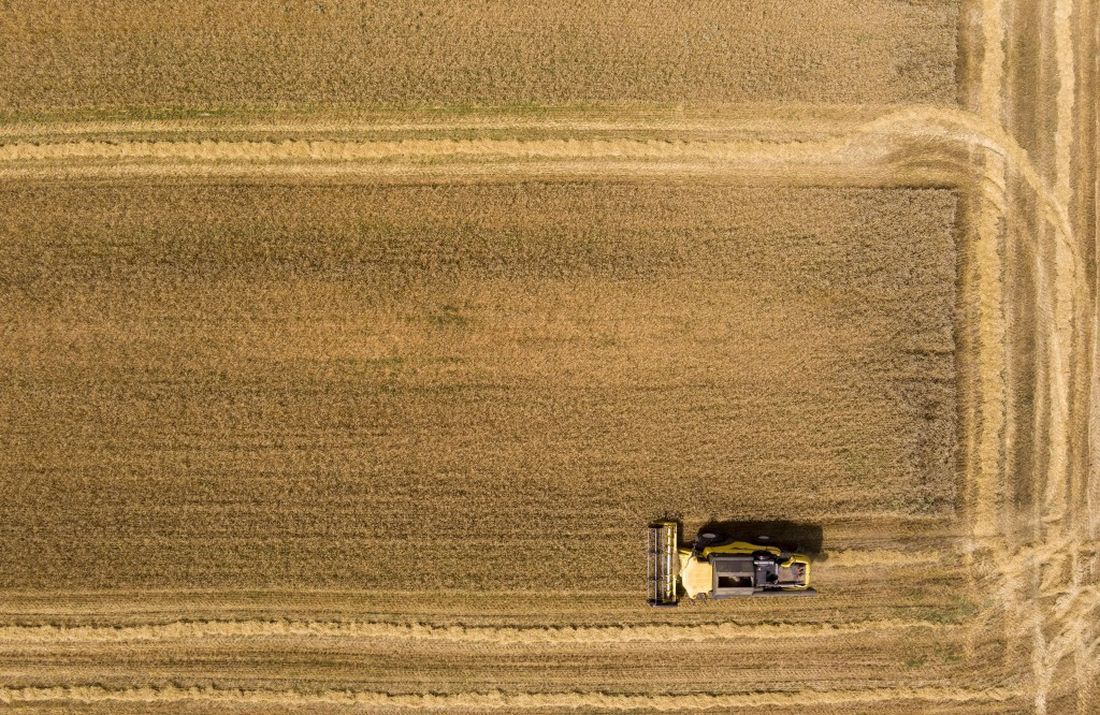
[(348, 350)]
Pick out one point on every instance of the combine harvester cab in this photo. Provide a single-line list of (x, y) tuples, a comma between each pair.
[(717, 567)]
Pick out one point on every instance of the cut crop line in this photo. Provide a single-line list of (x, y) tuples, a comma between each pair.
[(809, 123), (993, 59), (1063, 135), (497, 700), (144, 593), (342, 151), (556, 634), (1060, 196), (986, 483)]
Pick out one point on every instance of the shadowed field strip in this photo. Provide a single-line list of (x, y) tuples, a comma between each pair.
[(549, 634), (496, 700)]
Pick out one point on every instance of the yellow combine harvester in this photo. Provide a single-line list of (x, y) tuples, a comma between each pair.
[(718, 567)]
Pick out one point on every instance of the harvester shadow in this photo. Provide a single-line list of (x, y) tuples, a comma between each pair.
[(788, 535)]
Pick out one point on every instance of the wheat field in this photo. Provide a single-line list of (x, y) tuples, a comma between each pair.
[(349, 348)]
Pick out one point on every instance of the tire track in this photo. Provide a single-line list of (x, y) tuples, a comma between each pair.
[(1062, 631)]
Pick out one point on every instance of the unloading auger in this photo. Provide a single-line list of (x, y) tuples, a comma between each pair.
[(716, 566)]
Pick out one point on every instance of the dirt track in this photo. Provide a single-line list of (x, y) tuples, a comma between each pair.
[(365, 410)]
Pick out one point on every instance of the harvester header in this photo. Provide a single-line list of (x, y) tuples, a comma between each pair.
[(663, 563)]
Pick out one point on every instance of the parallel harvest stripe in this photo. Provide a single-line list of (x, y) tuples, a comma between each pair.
[(463, 634), (497, 700), (611, 118)]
